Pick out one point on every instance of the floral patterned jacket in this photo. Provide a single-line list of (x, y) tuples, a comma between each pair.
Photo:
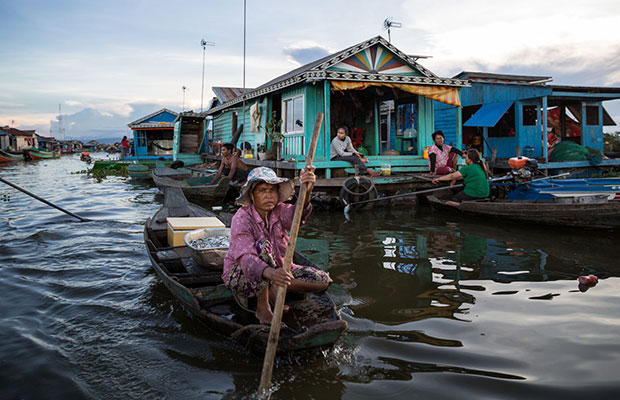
[(248, 228)]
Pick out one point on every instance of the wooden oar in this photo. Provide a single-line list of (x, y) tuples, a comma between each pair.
[(42, 200), (274, 332)]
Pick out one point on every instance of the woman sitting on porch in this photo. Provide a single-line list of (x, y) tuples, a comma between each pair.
[(442, 157), (475, 178), (342, 150)]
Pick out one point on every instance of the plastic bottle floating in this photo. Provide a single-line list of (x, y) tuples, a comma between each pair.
[(586, 282)]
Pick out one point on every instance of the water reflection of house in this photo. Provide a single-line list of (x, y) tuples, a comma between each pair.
[(511, 113), (351, 87), (153, 135)]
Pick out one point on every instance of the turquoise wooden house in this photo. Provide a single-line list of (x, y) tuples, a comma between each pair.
[(515, 113), (363, 87), (191, 137), (153, 135)]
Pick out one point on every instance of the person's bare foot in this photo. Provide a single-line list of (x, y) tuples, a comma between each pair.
[(453, 203), (373, 173), (273, 295), (263, 315)]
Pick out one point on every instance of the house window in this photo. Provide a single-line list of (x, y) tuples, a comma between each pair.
[(529, 115), (505, 127), (293, 114), (591, 115)]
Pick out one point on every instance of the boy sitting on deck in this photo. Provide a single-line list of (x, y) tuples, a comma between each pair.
[(232, 166), (342, 149)]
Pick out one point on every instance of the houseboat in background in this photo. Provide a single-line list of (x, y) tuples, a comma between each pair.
[(153, 136), (375, 89), (509, 115), (191, 137)]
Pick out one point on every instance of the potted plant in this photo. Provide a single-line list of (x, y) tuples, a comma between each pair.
[(272, 131), (261, 150)]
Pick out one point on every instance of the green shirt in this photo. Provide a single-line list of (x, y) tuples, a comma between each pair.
[(476, 183)]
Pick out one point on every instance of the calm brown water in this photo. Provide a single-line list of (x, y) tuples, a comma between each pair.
[(437, 307)]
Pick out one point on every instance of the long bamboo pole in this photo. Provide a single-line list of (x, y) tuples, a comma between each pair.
[(276, 322), (42, 200)]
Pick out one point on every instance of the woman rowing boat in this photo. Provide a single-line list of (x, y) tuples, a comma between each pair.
[(258, 242)]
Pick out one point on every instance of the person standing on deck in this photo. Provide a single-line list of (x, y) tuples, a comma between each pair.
[(231, 166), (442, 157), (475, 178), (253, 266), (342, 149), (124, 147)]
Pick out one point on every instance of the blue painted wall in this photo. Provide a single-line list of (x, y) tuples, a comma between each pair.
[(445, 121)]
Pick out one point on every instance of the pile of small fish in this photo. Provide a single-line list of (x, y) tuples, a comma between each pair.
[(213, 242)]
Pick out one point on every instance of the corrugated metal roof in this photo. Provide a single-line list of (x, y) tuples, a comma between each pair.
[(18, 132), (502, 78), (225, 94), (586, 89)]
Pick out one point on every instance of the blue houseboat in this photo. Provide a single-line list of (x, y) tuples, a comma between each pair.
[(506, 115), (153, 136), (382, 94)]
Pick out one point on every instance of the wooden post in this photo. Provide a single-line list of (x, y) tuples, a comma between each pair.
[(276, 322)]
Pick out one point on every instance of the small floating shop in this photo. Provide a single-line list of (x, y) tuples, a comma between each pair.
[(382, 94)]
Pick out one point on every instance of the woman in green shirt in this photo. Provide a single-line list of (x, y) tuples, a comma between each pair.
[(475, 178)]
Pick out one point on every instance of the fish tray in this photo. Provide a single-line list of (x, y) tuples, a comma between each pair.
[(211, 258)]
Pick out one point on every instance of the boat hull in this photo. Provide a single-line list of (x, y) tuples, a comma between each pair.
[(43, 155), (8, 157), (312, 321), (199, 193), (605, 215)]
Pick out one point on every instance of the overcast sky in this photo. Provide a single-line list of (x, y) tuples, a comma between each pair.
[(121, 56)]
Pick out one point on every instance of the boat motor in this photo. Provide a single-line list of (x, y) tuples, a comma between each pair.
[(523, 168)]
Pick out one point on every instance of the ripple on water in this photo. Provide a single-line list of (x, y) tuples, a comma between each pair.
[(438, 307)]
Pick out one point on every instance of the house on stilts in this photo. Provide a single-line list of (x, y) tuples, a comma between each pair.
[(383, 95)]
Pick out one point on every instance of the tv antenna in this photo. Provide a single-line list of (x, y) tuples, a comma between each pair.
[(390, 23), (204, 45)]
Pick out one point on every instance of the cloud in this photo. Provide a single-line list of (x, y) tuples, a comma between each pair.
[(306, 51)]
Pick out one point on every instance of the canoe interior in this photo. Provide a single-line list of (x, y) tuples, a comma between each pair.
[(312, 322)]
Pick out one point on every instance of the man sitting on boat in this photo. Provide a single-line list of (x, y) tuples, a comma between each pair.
[(231, 166), (258, 242), (475, 178), (342, 150), (442, 158)]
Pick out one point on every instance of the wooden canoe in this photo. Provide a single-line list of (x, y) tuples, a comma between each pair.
[(139, 171), (312, 321), (196, 189), (43, 155), (603, 214), (8, 157)]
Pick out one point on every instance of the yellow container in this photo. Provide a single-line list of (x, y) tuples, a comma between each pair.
[(426, 152), (178, 227), (386, 170)]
